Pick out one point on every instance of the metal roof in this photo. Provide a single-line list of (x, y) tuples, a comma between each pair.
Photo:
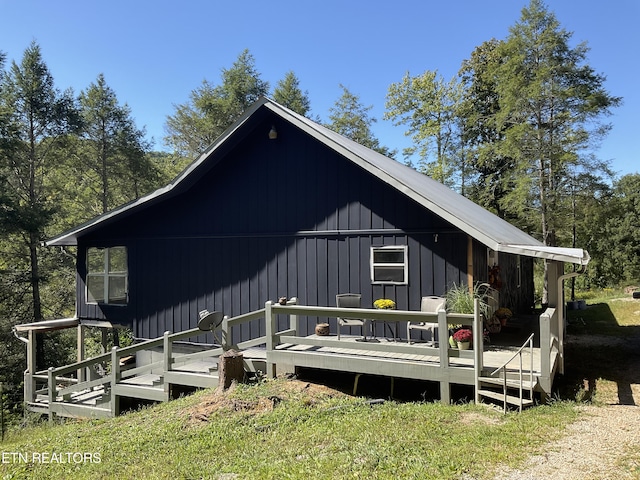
[(479, 223)]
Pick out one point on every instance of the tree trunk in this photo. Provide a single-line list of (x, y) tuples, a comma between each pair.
[(35, 294)]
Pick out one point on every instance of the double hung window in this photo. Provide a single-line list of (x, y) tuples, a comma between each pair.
[(107, 281)]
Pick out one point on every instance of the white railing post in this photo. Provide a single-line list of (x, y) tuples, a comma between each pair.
[(443, 345), (52, 393), (270, 330), (546, 339), (225, 334), (167, 351), (115, 378), (478, 346), (293, 318)]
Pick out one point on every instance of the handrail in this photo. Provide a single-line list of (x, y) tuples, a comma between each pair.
[(527, 341), (518, 353)]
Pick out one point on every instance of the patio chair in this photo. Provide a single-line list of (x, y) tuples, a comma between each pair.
[(428, 304), (350, 300)]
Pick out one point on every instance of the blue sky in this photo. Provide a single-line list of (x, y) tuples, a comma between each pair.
[(154, 53)]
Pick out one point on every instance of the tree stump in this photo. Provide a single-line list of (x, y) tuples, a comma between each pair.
[(230, 368)]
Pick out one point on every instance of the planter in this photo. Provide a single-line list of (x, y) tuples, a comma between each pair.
[(452, 342), (464, 345), (322, 329)]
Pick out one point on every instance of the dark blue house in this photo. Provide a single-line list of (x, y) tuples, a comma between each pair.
[(280, 206)]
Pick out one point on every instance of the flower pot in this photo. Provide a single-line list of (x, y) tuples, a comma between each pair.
[(464, 345), (452, 342)]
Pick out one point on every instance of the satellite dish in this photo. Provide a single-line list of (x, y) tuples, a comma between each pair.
[(209, 320)]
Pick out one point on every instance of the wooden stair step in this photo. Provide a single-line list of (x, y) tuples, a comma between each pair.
[(511, 399), (511, 383)]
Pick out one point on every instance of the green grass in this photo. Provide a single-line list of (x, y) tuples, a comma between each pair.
[(271, 430), (300, 437)]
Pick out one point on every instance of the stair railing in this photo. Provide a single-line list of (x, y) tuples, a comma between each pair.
[(503, 370)]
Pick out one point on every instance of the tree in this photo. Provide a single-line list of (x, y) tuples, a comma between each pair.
[(490, 171), (427, 105), (211, 109), (39, 118), (288, 94), (549, 101), (112, 148), (613, 235), (349, 117)]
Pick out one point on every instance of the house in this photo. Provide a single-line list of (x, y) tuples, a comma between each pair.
[(281, 206)]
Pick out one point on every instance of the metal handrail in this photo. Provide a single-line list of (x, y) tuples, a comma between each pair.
[(503, 367)]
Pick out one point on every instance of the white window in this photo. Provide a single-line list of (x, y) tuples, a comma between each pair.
[(107, 275), (389, 264)]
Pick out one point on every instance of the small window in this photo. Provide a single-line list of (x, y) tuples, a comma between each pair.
[(389, 264), (107, 281)]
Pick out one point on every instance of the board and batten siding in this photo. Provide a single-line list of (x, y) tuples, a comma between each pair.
[(267, 219)]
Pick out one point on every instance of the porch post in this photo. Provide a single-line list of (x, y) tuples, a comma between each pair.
[(29, 388)]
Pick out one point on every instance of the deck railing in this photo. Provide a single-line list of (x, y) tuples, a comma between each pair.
[(444, 320), (62, 384)]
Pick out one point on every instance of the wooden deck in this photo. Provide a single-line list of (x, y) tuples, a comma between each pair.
[(169, 369)]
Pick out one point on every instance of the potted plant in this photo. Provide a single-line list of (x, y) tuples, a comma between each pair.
[(384, 304), (463, 338)]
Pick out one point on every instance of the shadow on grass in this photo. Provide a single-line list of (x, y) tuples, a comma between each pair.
[(599, 348)]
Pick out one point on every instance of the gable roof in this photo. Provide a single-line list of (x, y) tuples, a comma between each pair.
[(479, 223)]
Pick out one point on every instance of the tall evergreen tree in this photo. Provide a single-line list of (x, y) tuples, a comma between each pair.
[(288, 94), (211, 109), (349, 117), (549, 101), (39, 118), (113, 149)]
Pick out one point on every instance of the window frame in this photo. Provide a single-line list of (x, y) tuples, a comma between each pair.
[(377, 266), (108, 277)]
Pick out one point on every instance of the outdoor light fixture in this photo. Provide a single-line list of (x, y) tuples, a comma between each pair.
[(273, 133)]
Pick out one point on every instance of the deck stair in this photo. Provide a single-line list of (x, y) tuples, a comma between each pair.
[(509, 384)]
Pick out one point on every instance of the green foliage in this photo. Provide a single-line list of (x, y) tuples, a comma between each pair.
[(211, 109), (349, 117), (427, 105), (288, 94), (461, 300)]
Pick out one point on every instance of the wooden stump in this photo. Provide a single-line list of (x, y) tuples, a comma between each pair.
[(230, 368)]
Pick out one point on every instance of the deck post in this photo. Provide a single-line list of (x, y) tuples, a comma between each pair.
[(225, 334), (29, 383), (545, 352), (115, 378), (270, 327), (443, 345), (81, 352), (52, 392), (167, 354), (478, 346), (293, 318)]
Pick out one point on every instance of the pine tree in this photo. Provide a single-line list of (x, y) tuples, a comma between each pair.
[(288, 94)]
